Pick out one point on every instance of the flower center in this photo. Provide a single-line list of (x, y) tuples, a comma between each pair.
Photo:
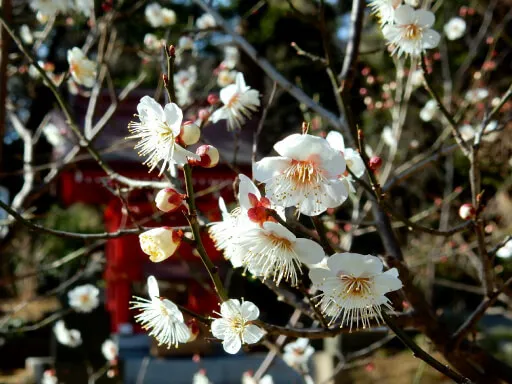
[(84, 299), (237, 324), (412, 32), (355, 286), (302, 173), (233, 100), (280, 242)]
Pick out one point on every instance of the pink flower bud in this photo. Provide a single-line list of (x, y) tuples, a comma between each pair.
[(467, 211), (209, 157), (375, 163), (160, 243), (213, 99), (194, 329), (189, 133), (169, 200), (204, 114)]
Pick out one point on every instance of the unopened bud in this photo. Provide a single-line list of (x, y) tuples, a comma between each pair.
[(204, 114), (169, 200), (172, 51), (189, 133), (213, 99), (107, 5), (165, 78), (375, 163), (209, 157), (467, 211), (160, 243)]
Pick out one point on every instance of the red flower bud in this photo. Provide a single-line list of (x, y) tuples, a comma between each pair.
[(213, 99), (375, 163), (467, 211), (204, 114), (169, 200), (172, 51), (209, 157)]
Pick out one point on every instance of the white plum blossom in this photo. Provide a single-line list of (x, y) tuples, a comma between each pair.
[(231, 57), (305, 175), (248, 378), (239, 100), (161, 316), (429, 110), (468, 132), (53, 135), (160, 243), (272, 251), (86, 7), (505, 251), (84, 298), (49, 377), (158, 130), (411, 33), (417, 78), (298, 353), (109, 350), (201, 378), (205, 21), (158, 16), (353, 288), (455, 28), (235, 327), (385, 9), (186, 43), (82, 69), (48, 8), (184, 81), (475, 95), (388, 137), (152, 42), (68, 337)]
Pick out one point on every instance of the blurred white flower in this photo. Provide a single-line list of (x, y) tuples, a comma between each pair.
[(417, 78), (231, 57), (411, 33), (152, 42), (68, 337), (298, 353), (506, 251), (184, 81), (235, 326), (84, 298), (388, 137), (413, 3), (476, 95), (201, 378), (109, 350), (248, 378), (272, 251), (354, 287), (49, 377), (160, 243), (306, 175), (49, 7), (26, 34), (157, 132), (86, 7), (239, 100), (468, 132), (82, 69), (53, 135), (205, 21), (158, 16), (385, 9), (186, 43), (161, 316), (429, 111), (226, 77), (455, 28)]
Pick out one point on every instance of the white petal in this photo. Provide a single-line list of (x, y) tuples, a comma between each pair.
[(219, 114), (219, 328), (269, 167), (182, 332), (246, 186), (404, 15), (232, 344), (348, 263), (173, 309), (319, 275), (153, 289), (430, 39), (227, 93), (425, 18), (279, 230), (335, 140), (240, 82), (249, 311), (230, 308), (173, 117), (387, 282), (309, 251), (252, 334)]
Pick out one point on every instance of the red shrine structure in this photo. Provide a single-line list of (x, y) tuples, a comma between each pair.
[(127, 267)]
